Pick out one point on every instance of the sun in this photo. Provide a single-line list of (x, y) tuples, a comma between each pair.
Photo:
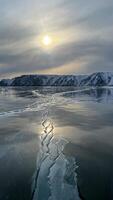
[(47, 40)]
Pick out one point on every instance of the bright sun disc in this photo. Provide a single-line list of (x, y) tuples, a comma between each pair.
[(47, 40)]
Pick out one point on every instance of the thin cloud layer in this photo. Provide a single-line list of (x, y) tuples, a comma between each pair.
[(83, 29)]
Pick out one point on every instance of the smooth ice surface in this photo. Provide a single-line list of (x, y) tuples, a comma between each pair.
[(79, 127)]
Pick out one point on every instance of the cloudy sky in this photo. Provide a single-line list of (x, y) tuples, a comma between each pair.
[(81, 32)]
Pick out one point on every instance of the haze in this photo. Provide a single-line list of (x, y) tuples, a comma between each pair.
[(81, 33)]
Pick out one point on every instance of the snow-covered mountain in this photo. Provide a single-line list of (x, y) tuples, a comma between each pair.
[(95, 79), (98, 79)]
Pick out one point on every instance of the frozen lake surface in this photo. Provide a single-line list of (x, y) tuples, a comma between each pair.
[(56, 143)]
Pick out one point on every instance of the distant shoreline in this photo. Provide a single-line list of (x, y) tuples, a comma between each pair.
[(95, 79)]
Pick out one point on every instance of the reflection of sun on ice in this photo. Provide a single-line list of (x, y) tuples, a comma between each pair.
[(47, 126), (46, 40)]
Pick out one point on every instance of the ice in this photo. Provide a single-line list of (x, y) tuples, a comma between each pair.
[(55, 177)]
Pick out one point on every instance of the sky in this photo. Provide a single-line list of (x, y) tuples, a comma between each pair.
[(81, 32)]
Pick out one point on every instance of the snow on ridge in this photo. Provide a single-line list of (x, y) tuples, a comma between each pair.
[(95, 79)]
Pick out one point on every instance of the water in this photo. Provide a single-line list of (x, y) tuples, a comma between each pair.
[(82, 117)]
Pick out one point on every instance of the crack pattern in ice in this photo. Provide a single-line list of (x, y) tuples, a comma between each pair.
[(55, 177), (41, 104), (61, 98)]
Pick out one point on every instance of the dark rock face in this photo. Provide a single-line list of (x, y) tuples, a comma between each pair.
[(5, 82), (96, 79), (27, 81)]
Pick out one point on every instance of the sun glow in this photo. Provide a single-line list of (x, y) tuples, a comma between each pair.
[(47, 40)]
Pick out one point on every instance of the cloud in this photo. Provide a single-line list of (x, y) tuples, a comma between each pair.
[(11, 33), (97, 54), (87, 26)]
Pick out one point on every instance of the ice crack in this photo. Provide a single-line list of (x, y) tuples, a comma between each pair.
[(55, 176)]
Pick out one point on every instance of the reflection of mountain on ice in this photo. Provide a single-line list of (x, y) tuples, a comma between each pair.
[(55, 177), (91, 94), (43, 99)]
